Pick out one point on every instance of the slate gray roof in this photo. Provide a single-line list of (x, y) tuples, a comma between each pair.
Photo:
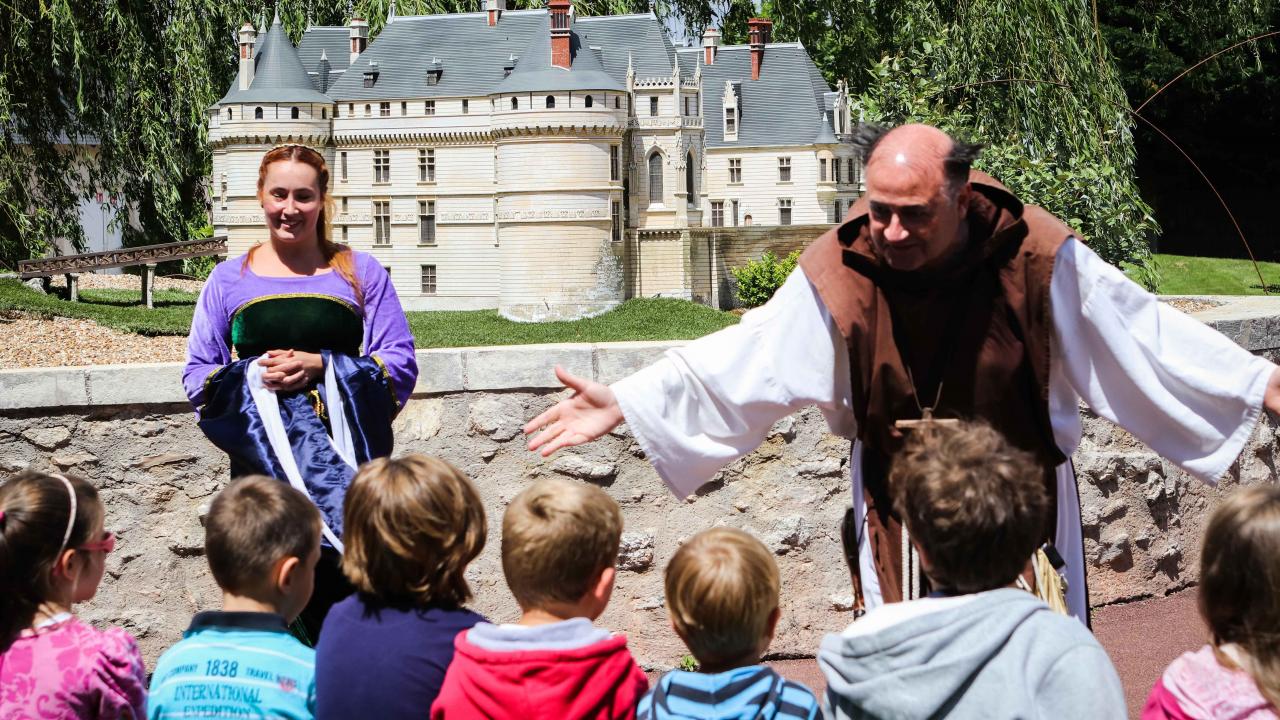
[(473, 54), (535, 73), (334, 43), (781, 108), (278, 74)]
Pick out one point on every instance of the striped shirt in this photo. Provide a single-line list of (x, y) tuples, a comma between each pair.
[(235, 665), (754, 692)]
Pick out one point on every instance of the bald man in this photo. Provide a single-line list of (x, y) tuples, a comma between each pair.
[(941, 296)]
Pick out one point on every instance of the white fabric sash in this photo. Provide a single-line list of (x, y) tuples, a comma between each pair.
[(269, 409)]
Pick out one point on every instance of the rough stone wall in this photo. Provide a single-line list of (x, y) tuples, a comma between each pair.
[(157, 474)]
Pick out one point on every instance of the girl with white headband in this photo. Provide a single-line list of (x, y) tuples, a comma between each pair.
[(53, 550)]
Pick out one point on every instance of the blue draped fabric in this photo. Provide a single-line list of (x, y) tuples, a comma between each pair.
[(231, 421)]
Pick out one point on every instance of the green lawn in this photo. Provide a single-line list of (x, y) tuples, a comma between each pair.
[(1183, 275), (640, 319)]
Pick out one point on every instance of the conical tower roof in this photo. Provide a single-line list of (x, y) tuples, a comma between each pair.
[(278, 75)]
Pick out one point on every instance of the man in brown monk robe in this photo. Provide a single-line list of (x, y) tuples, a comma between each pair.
[(941, 296)]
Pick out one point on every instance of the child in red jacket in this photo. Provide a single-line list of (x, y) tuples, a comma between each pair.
[(559, 544)]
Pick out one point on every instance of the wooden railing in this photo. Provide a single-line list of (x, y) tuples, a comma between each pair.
[(144, 255)]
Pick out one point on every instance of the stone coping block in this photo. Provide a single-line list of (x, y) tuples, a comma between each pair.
[(440, 371), (1252, 321)]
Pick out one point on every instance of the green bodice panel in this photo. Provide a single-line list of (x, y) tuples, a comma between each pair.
[(304, 322)]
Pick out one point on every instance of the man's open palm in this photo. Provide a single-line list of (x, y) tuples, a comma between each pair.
[(591, 412)]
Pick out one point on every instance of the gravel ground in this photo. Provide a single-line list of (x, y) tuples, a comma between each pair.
[(91, 281), (39, 342)]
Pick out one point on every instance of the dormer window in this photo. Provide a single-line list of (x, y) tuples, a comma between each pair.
[(371, 74), (730, 121), (435, 69)]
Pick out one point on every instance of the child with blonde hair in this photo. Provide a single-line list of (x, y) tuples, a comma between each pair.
[(722, 592), (53, 549), (1236, 675), (411, 526), (559, 544)]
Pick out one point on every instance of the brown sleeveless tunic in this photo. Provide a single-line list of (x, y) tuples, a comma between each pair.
[(981, 326)]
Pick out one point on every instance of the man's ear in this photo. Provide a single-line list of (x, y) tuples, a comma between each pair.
[(287, 573), (963, 196)]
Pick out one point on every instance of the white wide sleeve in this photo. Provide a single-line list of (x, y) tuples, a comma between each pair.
[(1184, 389), (714, 400)]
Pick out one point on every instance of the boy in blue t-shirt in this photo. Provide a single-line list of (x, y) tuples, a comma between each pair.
[(722, 591), (262, 539)]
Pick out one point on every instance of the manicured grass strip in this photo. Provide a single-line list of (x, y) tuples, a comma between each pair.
[(1183, 275), (639, 319), (117, 309)]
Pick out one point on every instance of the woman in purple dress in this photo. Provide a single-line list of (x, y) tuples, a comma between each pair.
[(323, 358)]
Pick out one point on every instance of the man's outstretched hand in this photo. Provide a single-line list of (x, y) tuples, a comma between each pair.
[(591, 412)]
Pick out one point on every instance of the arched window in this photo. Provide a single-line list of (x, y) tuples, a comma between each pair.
[(293, 114), (257, 113), (324, 113), (367, 109), (228, 113), (655, 178), (515, 104), (589, 101), (617, 102), (551, 101), (690, 182)]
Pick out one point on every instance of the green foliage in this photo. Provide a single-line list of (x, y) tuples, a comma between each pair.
[(118, 309), (1182, 275), (758, 280), (688, 663)]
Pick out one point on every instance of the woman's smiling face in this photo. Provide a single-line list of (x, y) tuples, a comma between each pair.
[(292, 201)]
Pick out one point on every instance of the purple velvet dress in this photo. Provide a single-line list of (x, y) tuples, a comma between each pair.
[(232, 286)]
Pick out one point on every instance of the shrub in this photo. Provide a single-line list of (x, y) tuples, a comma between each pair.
[(759, 279)]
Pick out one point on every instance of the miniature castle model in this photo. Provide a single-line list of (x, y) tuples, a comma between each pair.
[(507, 158)]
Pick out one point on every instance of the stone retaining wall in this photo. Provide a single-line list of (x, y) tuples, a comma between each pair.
[(129, 430)]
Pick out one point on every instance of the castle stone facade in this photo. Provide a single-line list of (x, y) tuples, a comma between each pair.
[(515, 159)]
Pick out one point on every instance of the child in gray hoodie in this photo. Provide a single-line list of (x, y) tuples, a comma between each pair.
[(977, 647)]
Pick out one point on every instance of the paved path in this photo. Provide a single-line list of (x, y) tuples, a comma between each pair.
[(1141, 638)]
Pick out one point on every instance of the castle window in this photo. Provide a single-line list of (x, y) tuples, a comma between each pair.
[(346, 234), (653, 105), (853, 174), (426, 222), (293, 113), (466, 106), (784, 169), (515, 104), (429, 107), (835, 169), (228, 113), (368, 109), (324, 113), (617, 102), (426, 165), (342, 165), (735, 171), (730, 121), (655, 179), (690, 180), (784, 211), (345, 205), (589, 101), (733, 212), (224, 194), (717, 213), (428, 279), (835, 212), (686, 105), (381, 166), (257, 113), (351, 109), (615, 219), (384, 109), (822, 169), (615, 165), (746, 220), (551, 101), (404, 109), (381, 222)]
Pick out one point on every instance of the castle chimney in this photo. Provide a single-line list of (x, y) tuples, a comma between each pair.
[(248, 36), (710, 45), (758, 32), (494, 9), (359, 37), (559, 12)]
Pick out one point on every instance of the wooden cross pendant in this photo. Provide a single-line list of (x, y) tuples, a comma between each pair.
[(926, 420)]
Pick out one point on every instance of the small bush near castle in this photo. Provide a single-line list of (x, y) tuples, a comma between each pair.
[(759, 279)]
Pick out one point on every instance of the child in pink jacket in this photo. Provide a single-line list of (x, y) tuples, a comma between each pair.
[(1237, 675), (52, 551)]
